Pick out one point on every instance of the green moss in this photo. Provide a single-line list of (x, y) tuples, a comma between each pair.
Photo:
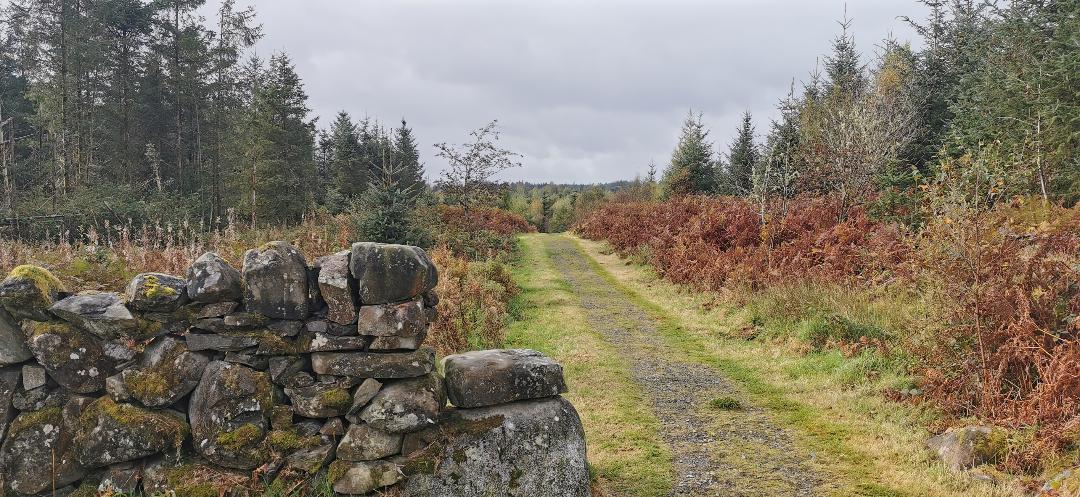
[(43, 280), (147, 384), (164, 425), (153, 289), (285, 440), (725, 403), (247, 435), (337, 398), (88, 488), (337, 469), (183, 482), (39, 328), (31, 419), (993, 446)]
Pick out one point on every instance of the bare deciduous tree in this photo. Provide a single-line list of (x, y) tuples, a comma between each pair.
[(466, 182)]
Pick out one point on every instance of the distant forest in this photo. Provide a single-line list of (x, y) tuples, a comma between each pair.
[(144, 111)]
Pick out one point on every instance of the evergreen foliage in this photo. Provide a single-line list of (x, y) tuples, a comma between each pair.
[(692, 167)]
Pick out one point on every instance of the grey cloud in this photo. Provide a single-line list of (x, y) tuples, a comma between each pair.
[(587, 91)]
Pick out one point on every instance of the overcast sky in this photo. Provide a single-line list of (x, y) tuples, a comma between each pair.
[(587, 91)]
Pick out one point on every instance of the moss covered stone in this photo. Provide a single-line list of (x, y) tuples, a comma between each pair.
[(245, 436), (156, 292), (72, 357), (109, 432), (29, 291)]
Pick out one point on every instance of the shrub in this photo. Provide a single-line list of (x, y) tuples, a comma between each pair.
[(473, 300)]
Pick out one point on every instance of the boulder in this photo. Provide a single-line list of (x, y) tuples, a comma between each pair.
[(336, 287), (13, 349), (311, 459), (375, 365), (330, 343), (222, 342), (167, 372), (969, 446), (388, 273), (101, 313), (229, 414), (359, 478), (490, 377), (281, 368), (406, 319), (156, 292), (29, 291), (9, 383), (211, 279), (110, 433), (333, 427), (364, 443), (276, 281), (405, 405), (38, 450), (72, 357), (321, 400), (521, 449), (120, 479)]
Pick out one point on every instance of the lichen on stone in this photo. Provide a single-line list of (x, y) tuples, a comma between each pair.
[(286, 440), (43, 280), (153, 289), (163, 424), (31, 419), (337, 398)]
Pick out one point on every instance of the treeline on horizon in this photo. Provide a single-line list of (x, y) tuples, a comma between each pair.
[(990, 105), (138, 110)]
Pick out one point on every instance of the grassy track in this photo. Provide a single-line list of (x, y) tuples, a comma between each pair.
[(626, 454), (870, 447)]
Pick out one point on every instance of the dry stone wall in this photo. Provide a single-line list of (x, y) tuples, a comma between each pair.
[(279, 368)]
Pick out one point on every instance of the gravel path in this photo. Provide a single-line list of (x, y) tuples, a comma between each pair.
[(716, 452)]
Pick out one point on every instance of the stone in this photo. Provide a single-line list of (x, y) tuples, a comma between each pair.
[(38, 451), (213, 325), (286, 327), (321, 400), (211, 279), (33, 376), (398, 343), (248, 357), (966, 447), (311, 459), (167, 372), (276, 281), (120, 479), (364, 443), (406, 319), (406, 405), (361, 397), (330, 343), (156, 292), (317, 326), (221, 342), (13, 349), (32, 400), (117, 389), (333, 427), (281, 368), (29, 291), (229, 414), (109, 433), (9, 383), (117, 353), (363, 477), (337, 288), (100, 313), (375, 365), (245, 320), (489, 377), (388, 273), (218, 309), (519, 449), (72, 357)]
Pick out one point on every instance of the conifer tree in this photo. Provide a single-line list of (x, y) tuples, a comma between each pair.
[(692, 168), (407, 157), (742, 158)]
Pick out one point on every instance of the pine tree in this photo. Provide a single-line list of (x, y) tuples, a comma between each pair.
[(691, 170), (345, 165), (742, 158), (407, 156), (845, 72), (384, 212)]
